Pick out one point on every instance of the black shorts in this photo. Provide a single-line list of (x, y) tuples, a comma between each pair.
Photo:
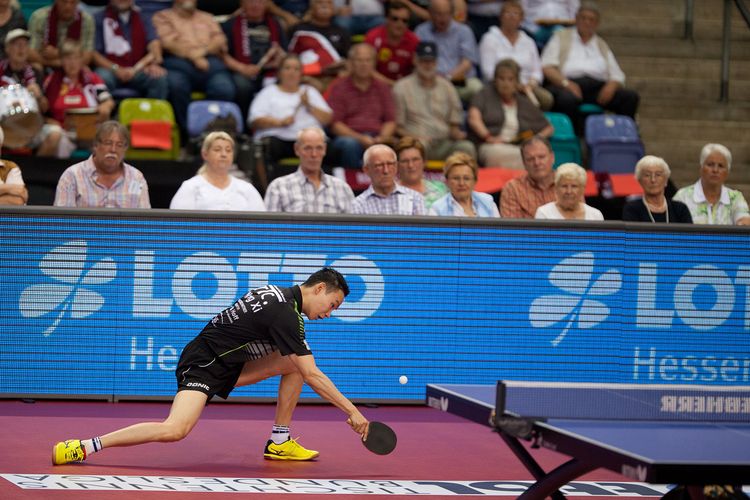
[(199, 369)]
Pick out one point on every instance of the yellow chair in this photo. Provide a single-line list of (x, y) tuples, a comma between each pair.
[(156, 110)]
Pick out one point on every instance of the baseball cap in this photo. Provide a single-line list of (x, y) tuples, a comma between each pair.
[(17, 33), (427, 50)]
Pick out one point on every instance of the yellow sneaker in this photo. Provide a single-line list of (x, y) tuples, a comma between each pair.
[(68, 451), (288, 450)]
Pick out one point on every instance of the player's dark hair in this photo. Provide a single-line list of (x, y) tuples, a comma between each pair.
[(333, 280)]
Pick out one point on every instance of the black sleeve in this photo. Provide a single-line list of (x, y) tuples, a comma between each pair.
[(681, 212), (632, 211), (287, 329)]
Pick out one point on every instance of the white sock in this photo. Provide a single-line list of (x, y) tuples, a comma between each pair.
[(91, 445), (280, 434)]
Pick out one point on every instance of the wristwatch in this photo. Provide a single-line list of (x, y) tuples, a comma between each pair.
[(115, 67), (565, 82)]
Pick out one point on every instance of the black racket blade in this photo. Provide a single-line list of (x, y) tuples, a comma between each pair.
[(381, 439)]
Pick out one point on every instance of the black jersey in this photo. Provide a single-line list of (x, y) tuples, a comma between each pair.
[(269, 314)]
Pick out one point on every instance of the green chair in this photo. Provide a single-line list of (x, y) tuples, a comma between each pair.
[(29, 6), (156, 110), (564, 141)]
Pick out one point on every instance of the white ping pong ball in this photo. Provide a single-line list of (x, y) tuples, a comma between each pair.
[(403, 379)]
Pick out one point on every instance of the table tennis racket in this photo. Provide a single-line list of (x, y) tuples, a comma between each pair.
[(381, 439)]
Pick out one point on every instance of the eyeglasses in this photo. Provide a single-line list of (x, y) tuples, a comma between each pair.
[(384, 165), (109, 144), (456, 178), (407, 161), (653, 176), (397, 19)]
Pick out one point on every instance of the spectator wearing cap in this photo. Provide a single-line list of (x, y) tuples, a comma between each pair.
[(395, 44), (127, 52), (12, 188), (16, 70), (428, 107), (457, 48), (11, 18), (580, 68), (51, 26)]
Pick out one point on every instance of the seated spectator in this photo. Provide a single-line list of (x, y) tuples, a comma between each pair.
[(11, 18), (51, 26), (522, 196), (12, 189), (192, 41), (481, 14), (309, 189), (411, 161), (385, 196), (281, 110), (104, 180), (456, 47), (652, 174), (16, 70), (363, 109), (321, 44), (127, 53), (570, 183), (214, 187), (709, 200), (461, 174), (394, 44), (256, 45), (500, 117), (545, 17), (75, 87), (580, 68), (508, 42), (358, 16), (428, 107)]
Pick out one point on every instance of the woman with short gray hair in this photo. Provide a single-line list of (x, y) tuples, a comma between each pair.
[(709, 200), (570, 184), (652, 173)]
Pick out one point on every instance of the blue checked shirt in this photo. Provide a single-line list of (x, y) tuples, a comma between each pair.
[(295, 193), (401, 201)]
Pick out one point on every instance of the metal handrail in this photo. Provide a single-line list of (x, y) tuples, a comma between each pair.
[(725, 43)]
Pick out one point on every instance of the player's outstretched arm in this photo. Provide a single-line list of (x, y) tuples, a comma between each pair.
[(326, 389)]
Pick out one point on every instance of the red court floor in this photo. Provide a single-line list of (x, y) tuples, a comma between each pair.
[(438, 455)]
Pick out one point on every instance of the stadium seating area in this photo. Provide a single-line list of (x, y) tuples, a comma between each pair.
[(678, 80)]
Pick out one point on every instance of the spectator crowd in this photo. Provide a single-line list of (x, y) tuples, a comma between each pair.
[(382, 87)]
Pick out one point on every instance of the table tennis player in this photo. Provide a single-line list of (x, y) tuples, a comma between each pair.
[(261, 335)]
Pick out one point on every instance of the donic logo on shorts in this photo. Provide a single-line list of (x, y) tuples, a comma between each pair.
[(574, 308), (69, 267)]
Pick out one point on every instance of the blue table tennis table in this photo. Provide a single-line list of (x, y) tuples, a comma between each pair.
[(664, 434)]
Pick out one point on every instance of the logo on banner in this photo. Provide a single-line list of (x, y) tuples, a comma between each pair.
[(69, 267), (576, 306)]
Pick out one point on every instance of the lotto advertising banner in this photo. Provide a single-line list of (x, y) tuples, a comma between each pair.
[(98, 303)]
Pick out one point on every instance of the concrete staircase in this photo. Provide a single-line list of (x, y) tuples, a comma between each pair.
[(679, 81)]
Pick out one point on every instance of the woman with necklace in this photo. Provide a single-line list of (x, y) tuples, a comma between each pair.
[(570, 184), (652, 174), (709, 200)]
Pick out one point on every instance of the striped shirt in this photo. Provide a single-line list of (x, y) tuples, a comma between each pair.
[(295, 193), (401, 201), (79, 187), (522, 196)]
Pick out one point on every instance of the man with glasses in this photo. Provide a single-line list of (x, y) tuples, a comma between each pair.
[(395, 44), (309, 189), (104, 179), (385, 196)]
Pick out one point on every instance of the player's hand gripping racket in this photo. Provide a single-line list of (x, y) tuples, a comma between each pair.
[(381, 439)]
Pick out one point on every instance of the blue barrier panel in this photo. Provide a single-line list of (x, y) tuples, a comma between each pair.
[(101, 302)]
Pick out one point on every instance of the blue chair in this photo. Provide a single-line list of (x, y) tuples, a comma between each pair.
[(201, 113), (564, 141), (614, 143)]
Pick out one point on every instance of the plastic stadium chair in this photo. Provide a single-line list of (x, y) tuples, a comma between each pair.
[(614, 143), (150, 110), (201, 113), (564, 141)]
